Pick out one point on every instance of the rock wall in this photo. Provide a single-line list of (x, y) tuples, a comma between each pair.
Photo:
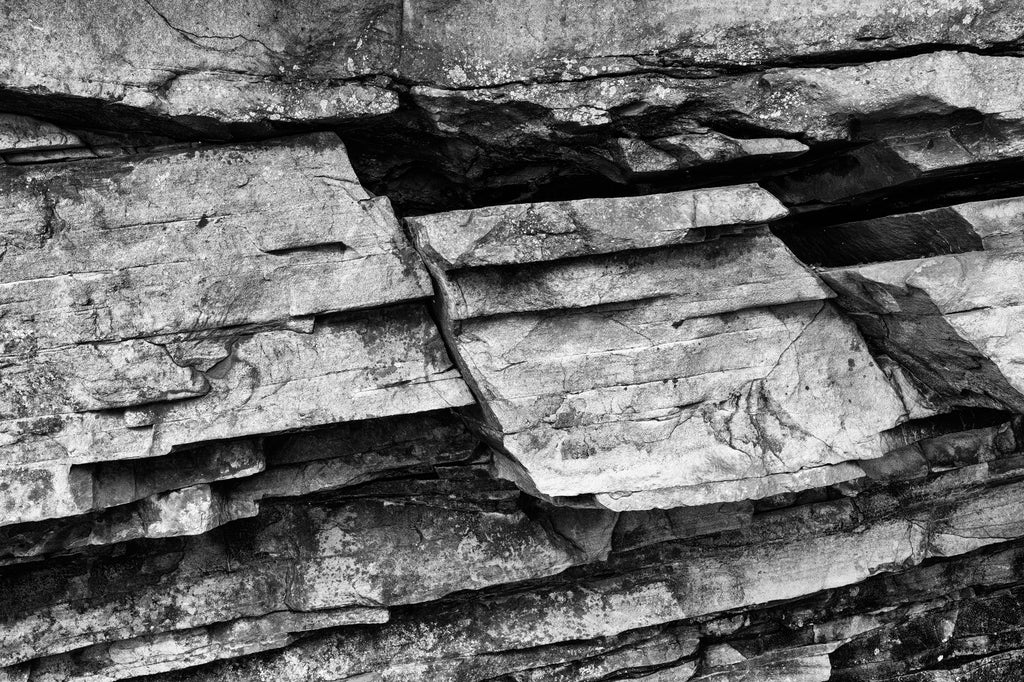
[(519, 342)]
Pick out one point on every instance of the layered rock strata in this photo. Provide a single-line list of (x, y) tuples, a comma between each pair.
[(656, 351), (517, 342), (156, 301)]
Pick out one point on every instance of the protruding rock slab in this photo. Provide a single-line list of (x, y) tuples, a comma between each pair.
[(22, 134), (158, 300), (531, 233), (664, 374), (954, 322), (183, 241), (365, 365), (988, 225)]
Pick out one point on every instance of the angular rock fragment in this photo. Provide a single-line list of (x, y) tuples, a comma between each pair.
[(22, 133), (951, 321), (613, 359)]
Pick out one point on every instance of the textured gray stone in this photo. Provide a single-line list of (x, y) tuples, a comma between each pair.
[(484, 43), (183, 60), (951, 320), (656, 377), (714, 375)]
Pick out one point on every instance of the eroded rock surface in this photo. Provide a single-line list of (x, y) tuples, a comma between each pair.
[(156, 301), (648, 371), (511, 342)]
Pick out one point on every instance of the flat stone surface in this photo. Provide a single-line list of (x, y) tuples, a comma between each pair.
[(245, 233), (23, 133), (530, 233)]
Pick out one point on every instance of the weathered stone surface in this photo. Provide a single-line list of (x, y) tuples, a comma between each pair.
[(483, 43), (138, 285), (950, 320), (247, 234), (656, 377), (732, 289), (354, 552), (22, 133), (883, 532), (253, 62)]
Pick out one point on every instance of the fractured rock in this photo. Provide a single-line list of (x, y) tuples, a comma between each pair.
[(156, 301), (362, 551), (371, 364), (613, 359), (817, 547), (950, 320), (926, 115)]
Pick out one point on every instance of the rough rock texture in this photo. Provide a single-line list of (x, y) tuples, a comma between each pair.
[(652, 372), (512, 342)]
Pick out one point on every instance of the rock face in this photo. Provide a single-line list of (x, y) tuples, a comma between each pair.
[(138, 319), (538, 342), (648, 371)]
